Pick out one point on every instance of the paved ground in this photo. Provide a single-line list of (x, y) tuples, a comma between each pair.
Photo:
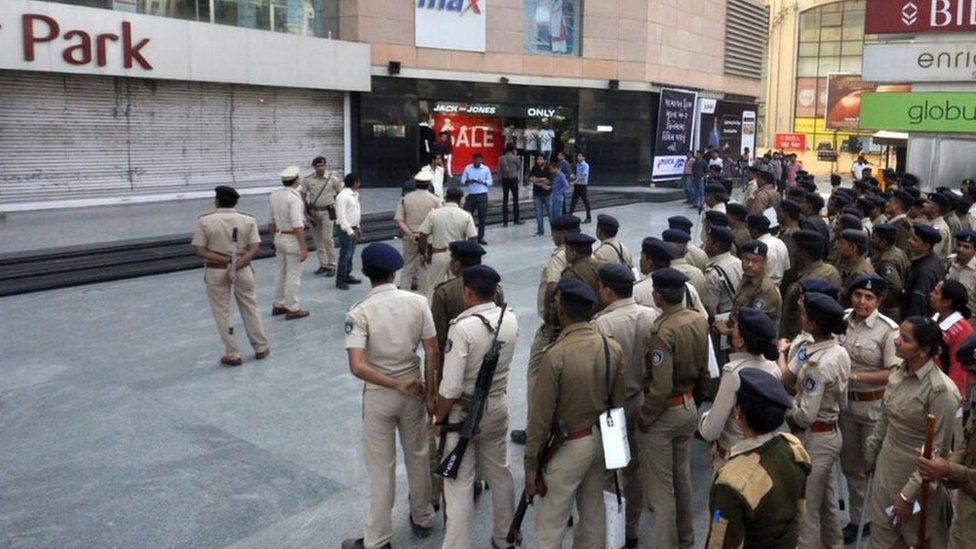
[(119, 429)]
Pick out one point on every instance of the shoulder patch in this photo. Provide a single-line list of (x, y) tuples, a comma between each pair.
[(799, 452), (802, 355), (891, 323), (809, 384), (348, 327), (657, 357), (759, 303), (746, 475)]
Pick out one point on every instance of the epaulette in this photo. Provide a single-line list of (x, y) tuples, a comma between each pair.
[(205, 215), (938, 385), (746, 476), (799, 452), (442, 283), (891, 323)]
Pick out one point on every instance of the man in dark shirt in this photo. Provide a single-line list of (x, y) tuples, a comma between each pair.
[(510, 168), (541, 189), (698, 170), (924, 273)]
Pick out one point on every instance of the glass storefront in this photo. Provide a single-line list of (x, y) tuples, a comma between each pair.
[(304, 17), (552, 27)]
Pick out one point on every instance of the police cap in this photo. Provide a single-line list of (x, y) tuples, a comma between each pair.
[(608, 221), (927, 234), (755, 325), (815, 200), (968, 237), (903, 196), (940, 199), (423, 176), (656, 249), (758, 222), (807, 185), (736, 210), (615, 273), (754, 247), (571, 289), (290, 173), (842, 200), (822, 308), (853, 211), (790, 207), (721, 234), (872, 283), (480, 273), (225, 193), (680, 222), (855, 236), (676, 236), (580, 241), (759, 385), (668, 279), (381, 257), (715, 217), (466, 249), (567, 222), (817, 285), (809, 239), (715, 188), (887, 231)]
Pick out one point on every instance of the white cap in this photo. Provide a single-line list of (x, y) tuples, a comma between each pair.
[(291, 172), (423, 176)]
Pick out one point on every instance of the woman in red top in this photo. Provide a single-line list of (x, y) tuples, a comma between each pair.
[(949, 299)]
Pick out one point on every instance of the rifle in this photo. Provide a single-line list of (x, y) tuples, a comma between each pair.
[(468, 427), (924, 494), (232, 272), (557, 435)]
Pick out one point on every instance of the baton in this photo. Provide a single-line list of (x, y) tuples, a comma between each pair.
[(924, 494), (232, 273), (864, 511)]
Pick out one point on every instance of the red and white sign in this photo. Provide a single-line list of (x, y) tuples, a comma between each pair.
[(914, 16), (469, 135), (791, 142)]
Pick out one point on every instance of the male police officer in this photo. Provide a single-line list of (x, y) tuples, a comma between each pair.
[(383, 332), (809, 264), (891, 263), (610, 249), (852, 247), (571, 386), (963, 268), (287, 224), (757, 290), (218, 233), (695, 255), (411, 211), (441, 227), (630, 325), (777, 255), (924, 272), (319, 191), (724, 272), (678, 240), (469, 340)]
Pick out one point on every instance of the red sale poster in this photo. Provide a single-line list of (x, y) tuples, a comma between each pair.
[(469, 135)]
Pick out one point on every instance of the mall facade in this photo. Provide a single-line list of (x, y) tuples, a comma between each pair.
[(129, 100)]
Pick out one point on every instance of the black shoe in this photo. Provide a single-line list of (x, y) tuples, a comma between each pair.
[(321, 271), (482, 241), (352, 280), (518, 437), (329, 272), (352, 543), (537, 233), (496, 546), (631, 542), (418, 531), (588, 220), (341, 285), (520, 222), (850, 532), (505, 224)]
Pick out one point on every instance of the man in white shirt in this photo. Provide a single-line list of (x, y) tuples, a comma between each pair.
[(348, 229), (287, 223), (857, 168), (435, 167), (778, 255), (968, 189), (546, 137)]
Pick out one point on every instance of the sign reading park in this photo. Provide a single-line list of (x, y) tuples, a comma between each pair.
[(919, 112), (915, 16)]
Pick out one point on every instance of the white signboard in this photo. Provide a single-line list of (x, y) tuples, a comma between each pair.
[(450, 24), (920, 62), (51, 37), (707, 106)]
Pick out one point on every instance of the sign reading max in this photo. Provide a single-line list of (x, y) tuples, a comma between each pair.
[(450, 24), (913, 16)]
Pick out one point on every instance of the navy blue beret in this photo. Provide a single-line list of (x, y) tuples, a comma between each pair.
[(820, 286), (872, 283), (969, 237), (822, 305), (466, 248), (886, 231), (940, 199), (478, 273), (226, 193), (382, 257), (855, 236), (680, 222), (676, 235), (579, 240), (927, 233), (572, 289), (755, 247), (715, 217), (815, 200), (615, 273), (668, 279), (715, 188), (755, 324), (721, 234), (758, 222), (760, 385), (604, 220), (903, 196), (806, 237), (566, 222), (736, 210), (791, 207), (656, 249), (842, 200)]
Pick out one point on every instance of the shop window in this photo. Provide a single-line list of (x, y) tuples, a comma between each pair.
[(809, 50), (851, 64), (552, 27), (852, 48), (828, 64), (806, 66), (830, 34), (831, 19), (829, 49)]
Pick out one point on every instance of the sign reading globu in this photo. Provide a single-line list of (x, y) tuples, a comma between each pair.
[(915, 16)]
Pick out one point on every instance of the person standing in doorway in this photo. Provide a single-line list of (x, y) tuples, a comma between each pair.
[(477, 178), (510, 169), (348, 230), (288, 227), (581, 184)]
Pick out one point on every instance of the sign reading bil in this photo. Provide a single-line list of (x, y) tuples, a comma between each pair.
[(920, 62), (919, 112)]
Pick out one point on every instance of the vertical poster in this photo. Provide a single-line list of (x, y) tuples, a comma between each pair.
[(676, 115), (471, 134), (748, 134)]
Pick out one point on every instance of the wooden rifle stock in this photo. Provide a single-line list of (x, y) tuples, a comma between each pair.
[(557, 435), (924, 493)]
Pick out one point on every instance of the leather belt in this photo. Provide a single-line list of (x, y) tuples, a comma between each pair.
[(438, 250), (216, 265), (866, 396), (679, 399), (290, 231), (822, 427), (582, 433)]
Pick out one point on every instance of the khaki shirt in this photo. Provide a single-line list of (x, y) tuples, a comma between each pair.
[(468, 341), (945, 246), (644, 295), (965, 275), (328, 185), (586, 270), (790, 322), (758, 293), (571, 385), (765, 198), (716, 424), (630, 325), (448, 224), (892, 264), (414, 207), (696, 257), (962, 468), (849, 272), (694, 274), (777, 257), (871, 345), (612, 251), (447, 302), (286, 209), (676, 362), (390, 324), (740, 236), (822, 373), (215, 231), (720, 288), (903, 224), (551, 271)]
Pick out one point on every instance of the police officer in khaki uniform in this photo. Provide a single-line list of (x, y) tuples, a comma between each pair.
[(898, 209), (754, 342), (441, 227), (214, 238), (383, 332), (757, 290), (963, 266), (852, 261), (737, 223), (319, 191), (288, 227), (676, 370), (724, 272), (610, 249), (766, 196), (469, 340), (870, 342), (934, 209), (809, 264), (562, 226), (678, 239), (411, 211), (891, 263), (655, 255), (630, 325), (571, 387), (582, 266), (819, 369), (695, 255), (757, 498)]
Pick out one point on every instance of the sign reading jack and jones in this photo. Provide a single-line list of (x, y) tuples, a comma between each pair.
[(916, 16), (919, 112)]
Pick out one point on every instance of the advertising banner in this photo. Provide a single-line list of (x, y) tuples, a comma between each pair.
[(470, 134), (916, 16), (844, 100), (920, 62), (726, 124), (791, 142), (919, 112), (748, 133), (675, 119), (450, 24)]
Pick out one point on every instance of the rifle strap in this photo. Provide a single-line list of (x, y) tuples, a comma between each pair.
[(319, 194), (606, 361), (729, 287)]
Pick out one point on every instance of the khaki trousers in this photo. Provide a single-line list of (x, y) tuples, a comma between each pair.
[(439, 270), (576, 473), (218, 294), (666, 476), (963, 521), (856, 423), (886, 536), (288, 272), (822, 526), (324, 244), (633, 489), (411, 265), (387, 412), (487, 457)]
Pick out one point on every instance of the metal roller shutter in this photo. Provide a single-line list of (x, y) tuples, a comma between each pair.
[(79, 136)]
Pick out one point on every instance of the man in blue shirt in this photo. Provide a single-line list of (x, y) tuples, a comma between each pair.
[(560, 185), (477, 178), (581, 183)]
